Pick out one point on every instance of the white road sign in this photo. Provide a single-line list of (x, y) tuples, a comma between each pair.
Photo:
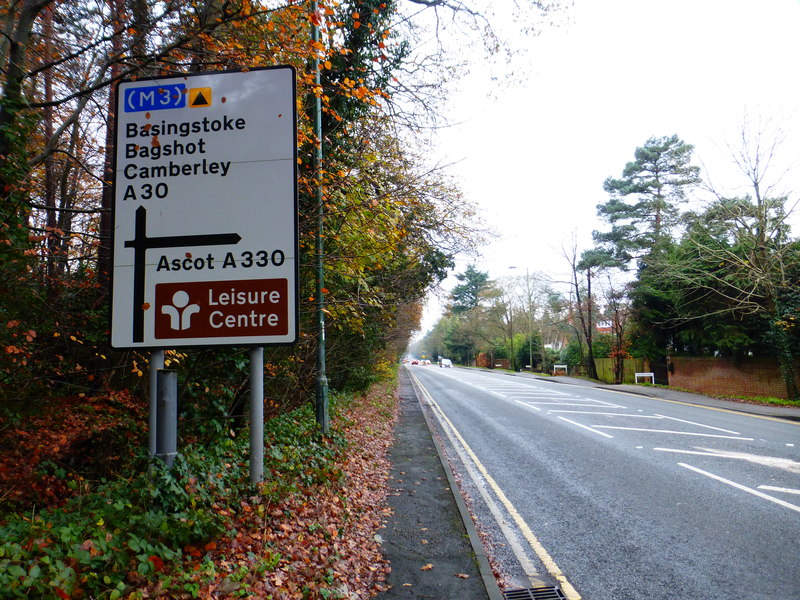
[(205, 211)]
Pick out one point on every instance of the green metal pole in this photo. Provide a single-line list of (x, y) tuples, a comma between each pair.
[(321, 405)]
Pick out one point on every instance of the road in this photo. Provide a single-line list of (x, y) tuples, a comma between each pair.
[(617, 496)]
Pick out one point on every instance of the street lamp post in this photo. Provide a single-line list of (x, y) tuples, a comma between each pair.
[(321, 383), (530, 319), (511, 326)]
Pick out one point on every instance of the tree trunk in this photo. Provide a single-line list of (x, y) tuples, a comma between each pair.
[(104, 256), (587, 323), (51, 233), (15, 74)]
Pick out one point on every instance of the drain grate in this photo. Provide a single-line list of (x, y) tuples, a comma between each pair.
[(539, 593)]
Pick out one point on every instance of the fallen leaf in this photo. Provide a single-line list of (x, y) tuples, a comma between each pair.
[(158, 563), (462, 575), (427, 567)]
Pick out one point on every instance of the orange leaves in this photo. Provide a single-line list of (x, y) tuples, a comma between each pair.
[(157, 562), (135, 369), (193, 551), (54, 436), (61, 593), (20, 351)]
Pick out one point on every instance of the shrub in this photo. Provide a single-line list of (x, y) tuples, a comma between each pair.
[(124, 530)]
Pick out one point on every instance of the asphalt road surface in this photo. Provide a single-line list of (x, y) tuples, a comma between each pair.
[(617, 496)]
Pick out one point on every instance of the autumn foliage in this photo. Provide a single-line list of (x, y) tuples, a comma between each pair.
[(84, 511), (391, 227), (46, 458)]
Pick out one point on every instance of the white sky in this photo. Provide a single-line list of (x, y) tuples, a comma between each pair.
[(533, 156)]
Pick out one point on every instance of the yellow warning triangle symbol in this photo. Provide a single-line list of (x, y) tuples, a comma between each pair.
[(199, 97)]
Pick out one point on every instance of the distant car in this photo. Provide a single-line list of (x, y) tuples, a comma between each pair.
[(446, 363), (414, 361), (426, 362)]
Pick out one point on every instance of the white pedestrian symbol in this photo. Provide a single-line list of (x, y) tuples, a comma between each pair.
[(180, 311)]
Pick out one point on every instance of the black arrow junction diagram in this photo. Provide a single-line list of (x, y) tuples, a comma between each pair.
[(141, 244)]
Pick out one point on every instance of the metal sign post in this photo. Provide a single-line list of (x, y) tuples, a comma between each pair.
[(156, 364), (167, 436), (256, 414)]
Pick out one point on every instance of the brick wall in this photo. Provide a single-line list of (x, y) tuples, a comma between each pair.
[(720, 377)]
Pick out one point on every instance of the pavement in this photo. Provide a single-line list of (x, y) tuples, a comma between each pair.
[(673, 395), (430, 541)]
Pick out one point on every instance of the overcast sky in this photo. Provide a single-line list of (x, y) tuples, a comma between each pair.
[(533, 156)]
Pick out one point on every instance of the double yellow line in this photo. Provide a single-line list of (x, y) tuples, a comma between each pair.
[(525, 530)]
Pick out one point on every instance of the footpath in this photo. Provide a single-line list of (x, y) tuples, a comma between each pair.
[(430, 540), (664, 393)]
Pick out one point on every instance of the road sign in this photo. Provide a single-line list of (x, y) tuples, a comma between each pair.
[(205, 211)]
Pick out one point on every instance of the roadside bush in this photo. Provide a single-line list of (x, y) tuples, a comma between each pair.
[(101, 542)]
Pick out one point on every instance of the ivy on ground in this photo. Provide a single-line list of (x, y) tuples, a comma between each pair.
[(200, 529)]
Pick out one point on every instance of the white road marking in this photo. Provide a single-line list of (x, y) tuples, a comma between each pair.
[(530, 570), (744, 488), (768, 461), (605, 414), (566, 587), (784, 490), (786, 464), (603, 403), (700, 425), (672, 432), (585, 427), (695, 452), (582, 404), (526, 405)]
